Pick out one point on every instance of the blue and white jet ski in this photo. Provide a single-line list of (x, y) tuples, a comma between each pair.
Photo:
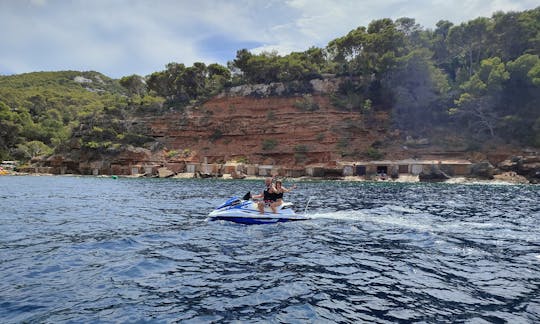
[(245, 211)]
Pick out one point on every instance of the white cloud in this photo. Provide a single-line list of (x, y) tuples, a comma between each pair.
[(320, 21), (136, 36), (38, 2)]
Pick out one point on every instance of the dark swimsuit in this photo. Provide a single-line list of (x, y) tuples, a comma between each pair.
[(269, 197)]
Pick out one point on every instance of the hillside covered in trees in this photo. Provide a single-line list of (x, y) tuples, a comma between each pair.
[(476, 82)]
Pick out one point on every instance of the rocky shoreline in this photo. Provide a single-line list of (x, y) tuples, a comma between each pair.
[(515, 169), (506, 178)]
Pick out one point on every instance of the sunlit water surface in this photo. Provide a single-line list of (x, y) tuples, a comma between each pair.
[(124, 250)]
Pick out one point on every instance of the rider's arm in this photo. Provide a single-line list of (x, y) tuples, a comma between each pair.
[(288, 190)]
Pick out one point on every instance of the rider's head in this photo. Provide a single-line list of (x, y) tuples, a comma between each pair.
[(268, 181)]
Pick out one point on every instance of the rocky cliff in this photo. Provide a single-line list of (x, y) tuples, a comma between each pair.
[(268, 125), (282, 130)]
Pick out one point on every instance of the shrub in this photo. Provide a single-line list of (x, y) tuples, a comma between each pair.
[(172, 154), (374, 153), (269, 144), (349, 101), (136, 139), (242, 159), (306, 103), (217, 134)]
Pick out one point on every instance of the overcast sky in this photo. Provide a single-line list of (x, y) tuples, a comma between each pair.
[(124, 37)]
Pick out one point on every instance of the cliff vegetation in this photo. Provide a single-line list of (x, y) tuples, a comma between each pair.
[(464, 84)]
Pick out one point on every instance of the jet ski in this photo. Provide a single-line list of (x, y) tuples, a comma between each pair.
[(245, 211)]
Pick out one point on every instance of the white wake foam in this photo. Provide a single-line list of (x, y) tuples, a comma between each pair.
[(391, 219)]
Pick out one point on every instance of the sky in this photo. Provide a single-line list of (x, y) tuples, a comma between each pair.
[(123, 37)]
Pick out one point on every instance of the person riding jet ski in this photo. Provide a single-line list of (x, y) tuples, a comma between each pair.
[(269, 196)]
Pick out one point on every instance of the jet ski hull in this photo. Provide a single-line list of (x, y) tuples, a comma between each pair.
[(246, 212), (251, 220)]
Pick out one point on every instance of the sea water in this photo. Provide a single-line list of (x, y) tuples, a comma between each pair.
[(82, 249)]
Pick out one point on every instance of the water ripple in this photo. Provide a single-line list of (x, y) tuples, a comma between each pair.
[(126, 250)]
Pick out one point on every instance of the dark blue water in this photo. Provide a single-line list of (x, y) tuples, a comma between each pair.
[(126, 250)]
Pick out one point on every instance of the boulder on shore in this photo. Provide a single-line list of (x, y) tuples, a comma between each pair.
[(433, 174), (482, 170), (511, 177), (237, 175), (528, 166), (165, 173), (510, 165)]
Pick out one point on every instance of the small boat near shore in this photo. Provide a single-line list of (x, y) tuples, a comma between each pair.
[(245, 211)]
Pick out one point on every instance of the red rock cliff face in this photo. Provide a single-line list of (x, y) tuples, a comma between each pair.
[(273, 130)]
